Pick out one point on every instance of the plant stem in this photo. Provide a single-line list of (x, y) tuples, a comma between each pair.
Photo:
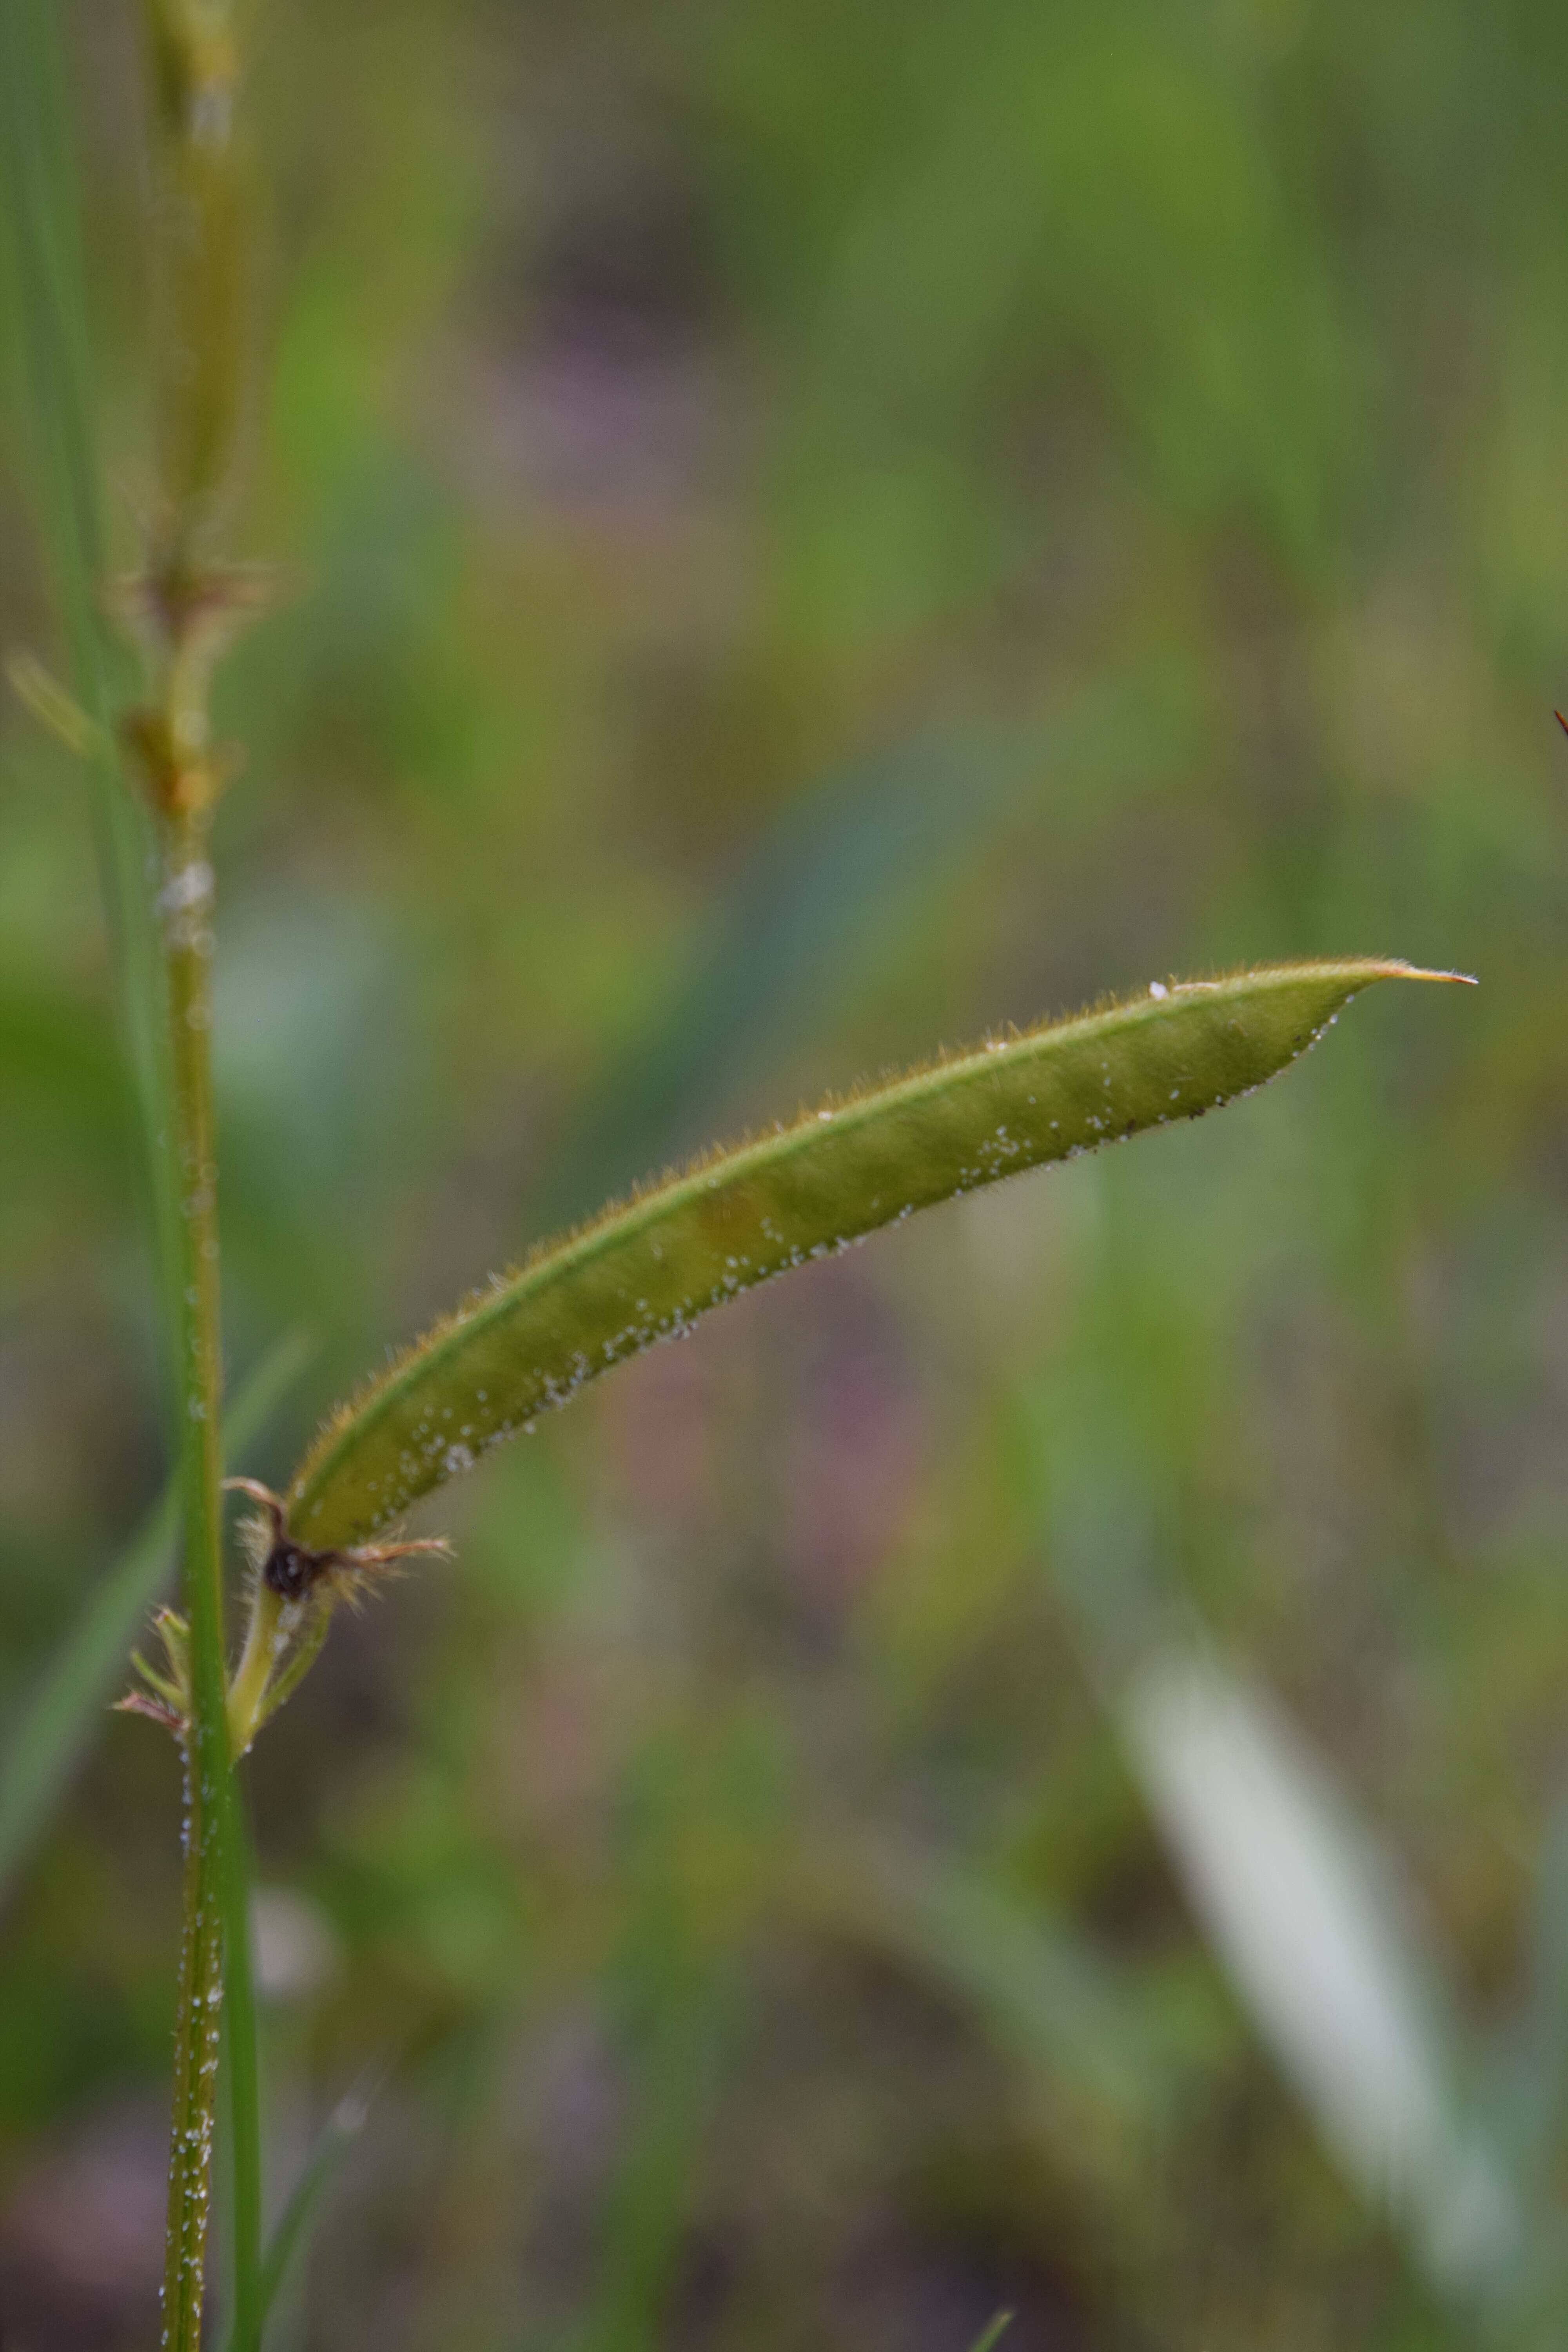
[(197, 2036), (185, 605), (215, 1948), (215, 1885), (186, 906), (201, 266)]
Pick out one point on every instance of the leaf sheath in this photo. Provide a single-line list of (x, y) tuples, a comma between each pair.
[(650, 1267)]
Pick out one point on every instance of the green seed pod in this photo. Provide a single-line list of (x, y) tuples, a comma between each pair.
[(647, 1268)]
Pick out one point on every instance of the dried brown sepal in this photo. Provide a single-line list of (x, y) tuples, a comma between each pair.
[(193, 610), (293, 1571), (353, 1576), (157, 1710), (293, 1594)]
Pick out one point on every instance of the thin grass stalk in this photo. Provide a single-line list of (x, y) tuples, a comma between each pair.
[(215, 1890), (173, 1087), (184, 603), (197, 2031), (341, 2130)]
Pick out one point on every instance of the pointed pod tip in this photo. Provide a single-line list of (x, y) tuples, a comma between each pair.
[(1353, 972), (1397, 969)]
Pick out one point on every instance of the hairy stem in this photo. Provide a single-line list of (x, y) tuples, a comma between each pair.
[(216, 1893), (197, 2037), (186, 905), (214, 1949), (184, 604)]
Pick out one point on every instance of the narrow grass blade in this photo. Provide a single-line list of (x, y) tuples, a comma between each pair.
[(55, 1725), (650, 1267), (35, 145), (994, 2334), (339, 2134), (1305, 1913)]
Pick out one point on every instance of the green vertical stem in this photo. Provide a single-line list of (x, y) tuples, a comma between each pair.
[(183, 603), (216, 1875), (186, 903), (186, 604), (196, 2038)]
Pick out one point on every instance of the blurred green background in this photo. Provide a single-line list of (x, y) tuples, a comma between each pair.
[(1026, 1768)]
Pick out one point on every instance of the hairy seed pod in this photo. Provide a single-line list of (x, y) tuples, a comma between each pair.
[(649, 1268)]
